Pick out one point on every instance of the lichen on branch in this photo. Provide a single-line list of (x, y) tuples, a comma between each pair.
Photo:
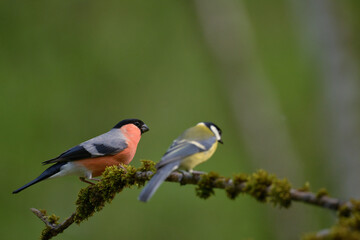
[(262, 186), (114, 179), (347, 226)]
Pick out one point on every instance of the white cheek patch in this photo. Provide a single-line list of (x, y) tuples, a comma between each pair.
[(216, 132)]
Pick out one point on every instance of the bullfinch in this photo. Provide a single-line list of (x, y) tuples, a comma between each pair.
[(194, 146), (90, 158)]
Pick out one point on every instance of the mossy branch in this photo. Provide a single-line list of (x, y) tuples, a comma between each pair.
[(260, 185), (53, 227)]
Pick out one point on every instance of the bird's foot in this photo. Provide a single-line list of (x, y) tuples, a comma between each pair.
[(123, 168), (95, 179), (86, 181), (183, 173)]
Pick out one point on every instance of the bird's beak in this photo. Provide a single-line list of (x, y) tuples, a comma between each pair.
[(144, 128), (221, 141)]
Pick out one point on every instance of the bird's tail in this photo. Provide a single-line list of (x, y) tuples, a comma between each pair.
[(46, 174), (156, 181)]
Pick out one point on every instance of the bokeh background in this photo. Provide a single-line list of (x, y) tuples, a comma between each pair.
[(280, 78)]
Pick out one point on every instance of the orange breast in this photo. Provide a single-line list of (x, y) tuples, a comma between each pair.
[(98, 165)]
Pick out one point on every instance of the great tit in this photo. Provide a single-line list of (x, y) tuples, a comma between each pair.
[(196, 145), (89, 159)]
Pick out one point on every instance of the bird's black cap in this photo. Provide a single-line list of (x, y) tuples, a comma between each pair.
[(137, 122)]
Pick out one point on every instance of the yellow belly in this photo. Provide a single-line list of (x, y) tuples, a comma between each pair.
[(192, 161)]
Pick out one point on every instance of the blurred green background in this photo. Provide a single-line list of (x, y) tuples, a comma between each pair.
[(280, 78)]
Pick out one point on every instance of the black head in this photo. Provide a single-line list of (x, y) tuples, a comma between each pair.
[(137, 122), (215, 129)]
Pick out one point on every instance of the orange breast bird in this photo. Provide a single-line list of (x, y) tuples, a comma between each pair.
[(90, 158)]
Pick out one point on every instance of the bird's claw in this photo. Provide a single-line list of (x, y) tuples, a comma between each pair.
[(183, 173), (123, 168), (86, 181)]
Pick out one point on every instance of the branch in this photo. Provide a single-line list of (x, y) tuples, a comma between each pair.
[(52, 227), (260, 185), (225, 183)]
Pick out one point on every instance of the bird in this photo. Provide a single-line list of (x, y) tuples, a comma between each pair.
[(90, 158), (194, 146)]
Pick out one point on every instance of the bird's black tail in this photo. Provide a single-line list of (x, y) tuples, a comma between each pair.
[(156, 181), (46, 174)]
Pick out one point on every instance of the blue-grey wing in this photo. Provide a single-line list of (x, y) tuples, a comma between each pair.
[(75, 153), (109, 143), (183, 148)]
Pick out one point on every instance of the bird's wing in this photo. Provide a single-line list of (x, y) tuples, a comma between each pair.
[(109, 143), (184, 148)]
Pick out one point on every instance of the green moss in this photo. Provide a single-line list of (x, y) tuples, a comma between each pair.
[(129, 179), (114, 179), (344, 211), (280, 193), (352, 222), (43, 211), (258, 184), (321, 193), (206, 185), (355, 205), (53, 219), (88, 200), (261, 185), (147, 165), (240, 178), (342, 232), (234, 190), (338, 232), (46, 233), (347, 226), (305, 188), (93, 198)]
